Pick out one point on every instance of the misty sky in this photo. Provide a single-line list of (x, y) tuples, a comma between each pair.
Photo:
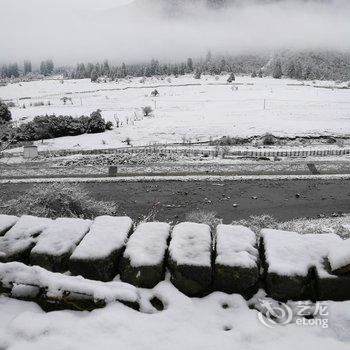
[(69, 31)]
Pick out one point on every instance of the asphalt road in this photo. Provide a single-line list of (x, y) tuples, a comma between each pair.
[(284, 199)]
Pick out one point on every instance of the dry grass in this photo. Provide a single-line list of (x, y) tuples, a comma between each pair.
[(204, 217), (257, 222), (324, 225), (58, 200)]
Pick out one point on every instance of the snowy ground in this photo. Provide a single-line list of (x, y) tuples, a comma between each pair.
[(219, 321), (204, 108)]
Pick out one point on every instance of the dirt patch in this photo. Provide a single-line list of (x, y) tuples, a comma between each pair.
[(231, 200)]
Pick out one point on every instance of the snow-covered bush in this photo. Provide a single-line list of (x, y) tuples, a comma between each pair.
[(58, 200), (268, 139), (147, 110)]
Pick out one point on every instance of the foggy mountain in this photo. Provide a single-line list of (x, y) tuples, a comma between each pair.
[(181, 8), (169, 29)]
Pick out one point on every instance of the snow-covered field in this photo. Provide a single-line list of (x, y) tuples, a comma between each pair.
[(219, 321), (187, 108)]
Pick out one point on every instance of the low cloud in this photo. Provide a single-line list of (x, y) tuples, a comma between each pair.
[(146, 28)]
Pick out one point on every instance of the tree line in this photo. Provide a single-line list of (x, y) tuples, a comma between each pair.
[(13, 70), (297, 65)]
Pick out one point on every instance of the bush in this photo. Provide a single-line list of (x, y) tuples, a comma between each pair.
[(147, 110), (198, 74), (51, 126), (58, 200), (231, 78), (204, 217), (96, 123), (10, 104), (109, 125), (231, 141), (5, 114), (268, 139)]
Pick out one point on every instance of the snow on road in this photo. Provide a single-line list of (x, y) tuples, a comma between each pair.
[(187, 108), (219, 321)]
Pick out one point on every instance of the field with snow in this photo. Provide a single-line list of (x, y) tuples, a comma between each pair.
[(219, 321), (186, 108)]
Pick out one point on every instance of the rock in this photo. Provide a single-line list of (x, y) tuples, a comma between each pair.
[(236, 267), (57, 243), (287, 275), (190, 258), (331, 286), (143, 262), (98, 255)]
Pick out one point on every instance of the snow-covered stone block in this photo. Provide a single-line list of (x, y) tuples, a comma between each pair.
[(287, 265), (236, 260), (55, 290), (297, 266), (17, 243), (143, 262), (57, 243), (190, 253), (328, 249), (98, 255), (339, 258), (6, 222)]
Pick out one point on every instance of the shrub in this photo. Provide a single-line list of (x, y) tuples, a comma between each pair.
[(96, 123), (58, 200), (10, 104), (5, 114), (231, 141), (51, 126), (204, 217), (268, 139), (109, 125), (231, 78), (128, 141), (147, 110), (198, 74)]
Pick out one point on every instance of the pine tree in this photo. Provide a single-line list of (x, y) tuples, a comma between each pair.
[(198, 74), (308, 73), (123, 72), (94, 75), (277, 70), (105, 69), (13, 70), (43, 68), (189, 65), (298, 71), (291, 70), (49, 67), (27, 67), (231, 78), (209, 57)]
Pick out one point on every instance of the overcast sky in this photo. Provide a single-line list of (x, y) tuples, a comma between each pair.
[(69, 31), (43, 5)]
